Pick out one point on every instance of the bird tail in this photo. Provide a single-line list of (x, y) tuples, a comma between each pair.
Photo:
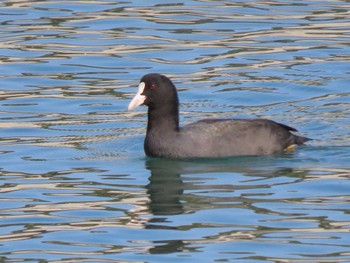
[(298, 140)]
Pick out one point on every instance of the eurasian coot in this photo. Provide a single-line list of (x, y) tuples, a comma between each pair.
[(204, 138)]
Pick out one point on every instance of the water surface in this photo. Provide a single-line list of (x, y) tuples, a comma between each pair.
[(75, 184)]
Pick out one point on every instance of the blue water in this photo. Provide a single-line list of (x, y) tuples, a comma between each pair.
[(75, 183)]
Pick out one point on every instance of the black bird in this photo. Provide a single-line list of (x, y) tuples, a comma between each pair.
[(208, 137)]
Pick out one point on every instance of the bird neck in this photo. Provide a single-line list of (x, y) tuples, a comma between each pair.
[(164, 119)]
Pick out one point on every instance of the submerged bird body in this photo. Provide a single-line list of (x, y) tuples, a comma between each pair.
[(204, 138)]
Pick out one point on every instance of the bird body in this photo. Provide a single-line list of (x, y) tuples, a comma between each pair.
[(205, 138)]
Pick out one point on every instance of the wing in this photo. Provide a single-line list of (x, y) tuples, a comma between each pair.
[(229, 137)]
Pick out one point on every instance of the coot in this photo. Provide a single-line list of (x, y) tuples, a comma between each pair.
[(208, 137)]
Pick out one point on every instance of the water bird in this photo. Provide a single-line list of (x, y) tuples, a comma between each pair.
[(207, 138)]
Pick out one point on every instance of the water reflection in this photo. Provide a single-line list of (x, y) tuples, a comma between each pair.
[(165, 188), (171, 181), (260, 203), (235, 205)]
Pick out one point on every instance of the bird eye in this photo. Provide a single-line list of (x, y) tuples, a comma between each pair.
[(153, 87)]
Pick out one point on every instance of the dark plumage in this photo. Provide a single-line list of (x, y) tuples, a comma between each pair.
[(205, 138)]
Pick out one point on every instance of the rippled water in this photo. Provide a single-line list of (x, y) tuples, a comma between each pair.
[(75, 184)]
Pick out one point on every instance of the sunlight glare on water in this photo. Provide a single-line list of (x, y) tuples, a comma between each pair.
[(75, 183)]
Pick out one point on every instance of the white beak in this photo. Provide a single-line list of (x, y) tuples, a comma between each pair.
[(139, 98)]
